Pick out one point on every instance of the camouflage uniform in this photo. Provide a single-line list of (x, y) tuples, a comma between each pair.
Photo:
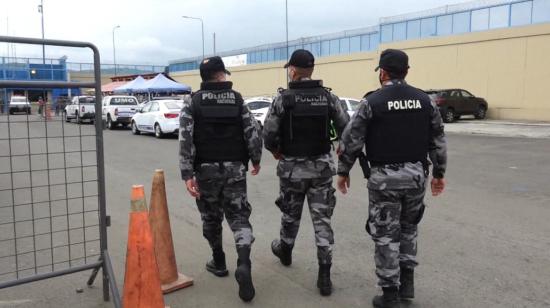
[(396, 194), (302, 177), (222, 185)]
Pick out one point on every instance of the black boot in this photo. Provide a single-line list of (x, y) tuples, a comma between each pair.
[(406, 290), (390, 299), (283, 251), (217, 265), (243, 274), (323, 280)]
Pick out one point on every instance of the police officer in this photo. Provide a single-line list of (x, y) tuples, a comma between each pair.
[(296, 131), (400, 128), (218, 136)]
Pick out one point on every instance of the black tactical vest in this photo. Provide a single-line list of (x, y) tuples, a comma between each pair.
[(218, 129), (399, 130), (305, 125)]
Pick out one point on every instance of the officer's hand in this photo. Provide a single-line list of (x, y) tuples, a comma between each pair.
[(438, 185), (343, 184), (193, 188), (255, 169), (277, 155)]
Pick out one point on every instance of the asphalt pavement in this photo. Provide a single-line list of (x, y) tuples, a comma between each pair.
[(484, 243)]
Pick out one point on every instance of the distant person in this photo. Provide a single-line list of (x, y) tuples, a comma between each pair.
[(40, 106), (218, 136), (296, 132), (399, 127)]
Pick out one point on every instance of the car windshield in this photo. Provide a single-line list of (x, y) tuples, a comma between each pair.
[(258, 105), (18, 99), (174, 105), (124, 101), (86, 100), (354, 104)]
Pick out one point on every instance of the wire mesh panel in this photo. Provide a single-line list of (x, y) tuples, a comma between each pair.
[(53, 218), (49, 202)]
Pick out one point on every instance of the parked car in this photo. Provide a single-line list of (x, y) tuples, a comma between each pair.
[(19, 104), (160, 117), (454, 103), (259, 106), (80, 108), (350, 105), (118, 109)]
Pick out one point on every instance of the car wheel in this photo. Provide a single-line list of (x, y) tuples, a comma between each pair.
[(158, 131), (110, 124), (135, 130), (77, 118), (481, 112), (449, 115)]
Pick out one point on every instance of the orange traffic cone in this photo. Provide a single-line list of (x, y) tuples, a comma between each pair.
[(164, 247), (141, 281)]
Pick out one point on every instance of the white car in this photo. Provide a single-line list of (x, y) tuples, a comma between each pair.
[(259, 106), (160, 117), (80, 108), (350, 105), (118, 109), (19, 104)]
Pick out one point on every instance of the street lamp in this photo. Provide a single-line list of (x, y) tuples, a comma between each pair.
[(41, 11), (202, 30), (114, 50)]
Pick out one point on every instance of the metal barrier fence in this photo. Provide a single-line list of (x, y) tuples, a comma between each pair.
[(53, 218)]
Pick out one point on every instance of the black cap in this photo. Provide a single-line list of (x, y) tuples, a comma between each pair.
[(393, 60), (210, 66), (301, 58)]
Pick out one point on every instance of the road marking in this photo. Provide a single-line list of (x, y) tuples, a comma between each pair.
[(14, 302)]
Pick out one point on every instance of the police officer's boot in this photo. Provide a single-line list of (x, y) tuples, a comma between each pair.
[(323, 279), (390, 298), (217, 265), (243, 274), (283, 251), (406, 290)]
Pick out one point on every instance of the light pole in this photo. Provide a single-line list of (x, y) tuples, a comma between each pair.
[(286, 27), (41, 11), (202, 30), (114, 49), (214, 43)]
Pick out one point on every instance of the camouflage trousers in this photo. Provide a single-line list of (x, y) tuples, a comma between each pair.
[(227, 197), (393, 224), (321, 201)]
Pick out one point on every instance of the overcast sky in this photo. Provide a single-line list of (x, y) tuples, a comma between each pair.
[(153, 32)]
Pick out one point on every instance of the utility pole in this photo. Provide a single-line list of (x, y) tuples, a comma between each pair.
[(214, 41)]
